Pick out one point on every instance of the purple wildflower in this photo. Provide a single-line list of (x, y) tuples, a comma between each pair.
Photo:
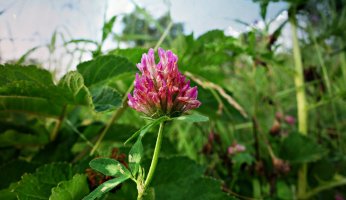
[(290, 120), (236, 148), (161, 89)]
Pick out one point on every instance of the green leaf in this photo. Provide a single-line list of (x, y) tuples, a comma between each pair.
[(13, 73), (106, 98), (264, 6), (192, 118), (77, 41), (134, 55), (109, 167), (76, 188), (52, 44), (39, 184), (128, 191), (60, 149), (11, 137), (105, 68), (125, 129), (154, 123), (107, 28), (7, 194), (284, 191), (179, 178), (79, 94), (29, 105), (29, 81), (28, 89), (205, 188), (209, 53), (298, 148), (323, 170), (173, 175), (23, 58), (239, 159), (135, 156), (105, 187), (141, 132), (13, 170), (211, 105)]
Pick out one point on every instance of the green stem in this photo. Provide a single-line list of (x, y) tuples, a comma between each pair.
[(114, 117), (326, 186), (302, 181), (322, 63), (299, 80), (327, 82), (164, 35), (155, 158), (301, 100), (256, 143), (58, 124)]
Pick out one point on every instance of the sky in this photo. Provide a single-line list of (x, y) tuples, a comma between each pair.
[(27, 24)]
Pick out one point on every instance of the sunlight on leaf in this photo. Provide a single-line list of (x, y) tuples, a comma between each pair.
[(109, 167), (192, 118)]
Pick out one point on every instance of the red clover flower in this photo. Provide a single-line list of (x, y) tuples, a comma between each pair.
[(161, 89)]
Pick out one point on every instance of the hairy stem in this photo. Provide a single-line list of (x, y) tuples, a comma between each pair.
[(155, 156), (299, 80), (154, 160), (301, 100)]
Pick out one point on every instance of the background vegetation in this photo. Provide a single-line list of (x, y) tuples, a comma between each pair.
[(286, 107)]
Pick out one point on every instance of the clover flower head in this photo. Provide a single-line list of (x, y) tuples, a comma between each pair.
[(161, 89)]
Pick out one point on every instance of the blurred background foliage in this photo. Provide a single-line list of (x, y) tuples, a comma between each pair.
[(250, 149)]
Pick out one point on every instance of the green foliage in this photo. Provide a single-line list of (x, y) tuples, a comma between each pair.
[(135, 156), (11, 74), (13, 138), (79, 94), (134, 55), (105, 187), (246, 86), (29, 90), (192, 118), (142, 29), (106, 98), (180, 178), (105, 68), (107, 28), (39, 184), (76, 188), (141, 132), (12, 171), (311, 151), (30, 105), (109, 167), (99, 72)]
